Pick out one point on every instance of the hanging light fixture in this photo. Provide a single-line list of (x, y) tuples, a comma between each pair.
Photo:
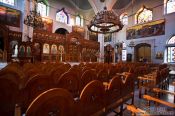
[(34, 19), (105, 21)]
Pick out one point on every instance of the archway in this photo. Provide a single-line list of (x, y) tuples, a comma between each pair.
[(61, 31), (143, 50), (109, 54)]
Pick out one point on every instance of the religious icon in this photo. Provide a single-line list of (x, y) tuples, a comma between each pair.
[(21, 50), (28, 51), (46, 48), (54, 49)]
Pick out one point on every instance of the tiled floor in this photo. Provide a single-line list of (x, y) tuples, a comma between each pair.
[(153, 110)]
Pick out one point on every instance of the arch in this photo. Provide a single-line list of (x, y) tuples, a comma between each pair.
[(62, 16), (171, 40), (170, 50), (109, 53), (14, 48), (169, 6), (143, 15), (62, 31), (79, 20), (143, 50)]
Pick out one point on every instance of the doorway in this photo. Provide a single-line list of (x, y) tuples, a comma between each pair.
[(109, 54), (143, 51)]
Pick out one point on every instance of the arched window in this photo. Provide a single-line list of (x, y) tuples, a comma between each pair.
[(124, 19), (169, 6), (42, 8), (171, 50), (79, 20), (62, 16), (9, 2), (144, 15)]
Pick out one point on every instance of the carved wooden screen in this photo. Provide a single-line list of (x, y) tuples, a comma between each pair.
[(73, 50)]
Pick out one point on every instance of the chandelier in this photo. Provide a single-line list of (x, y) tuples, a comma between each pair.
[(34, 19), (104, 22)]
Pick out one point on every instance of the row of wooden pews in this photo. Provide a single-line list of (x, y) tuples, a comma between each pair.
[(93, 87)]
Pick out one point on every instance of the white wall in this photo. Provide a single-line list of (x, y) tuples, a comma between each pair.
[(157, 43)]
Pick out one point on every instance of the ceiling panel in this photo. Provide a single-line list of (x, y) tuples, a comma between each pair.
[(82, 4), (121, 4)]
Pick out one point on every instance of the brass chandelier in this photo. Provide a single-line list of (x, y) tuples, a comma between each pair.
[(34, 19), (104, 22)]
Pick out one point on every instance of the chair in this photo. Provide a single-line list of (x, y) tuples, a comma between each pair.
[(53, 102), (92, 99)]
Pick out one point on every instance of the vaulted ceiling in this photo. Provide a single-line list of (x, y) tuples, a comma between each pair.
[(88, 4)]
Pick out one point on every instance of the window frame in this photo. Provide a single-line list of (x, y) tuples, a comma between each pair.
[(169, 45), (63, 9), (140, 11), (42, 2), (166, 7), (14, 1), (78, 16)]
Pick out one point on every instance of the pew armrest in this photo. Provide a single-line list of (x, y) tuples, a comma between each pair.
[(150, 98), (158, 90), (135, 110)]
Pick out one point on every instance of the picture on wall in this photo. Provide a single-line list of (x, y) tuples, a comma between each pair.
[(79, 30), (10, 16), (159, 55), (149, 29), (108, 37), (48, 24), (93, 36)]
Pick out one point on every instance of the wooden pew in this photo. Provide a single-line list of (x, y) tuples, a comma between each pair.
[(92, 99), (69, 81), (33, 87), (88, 76), (53, 102), (9, 95)]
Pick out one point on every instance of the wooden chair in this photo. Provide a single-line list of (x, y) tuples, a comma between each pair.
[(53, 102), (69, 81), (92, 99)]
